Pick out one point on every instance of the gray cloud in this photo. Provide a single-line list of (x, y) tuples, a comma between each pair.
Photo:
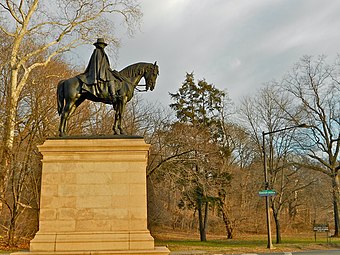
[(236, 45)]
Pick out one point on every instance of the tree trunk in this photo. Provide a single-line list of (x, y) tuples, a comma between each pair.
[(335, 192), (11, 233), (227, 223), (6, 156), (7, 141), (277, 227), (206, 213), (8, 133), (203, 220)]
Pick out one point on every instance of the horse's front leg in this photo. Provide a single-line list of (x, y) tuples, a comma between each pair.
[(122, 110), (115, 124), (116, 107)]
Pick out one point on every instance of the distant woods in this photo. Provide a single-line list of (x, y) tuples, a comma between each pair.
[(206, 165)]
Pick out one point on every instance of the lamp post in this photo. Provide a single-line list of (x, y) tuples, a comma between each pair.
[(266, 183)]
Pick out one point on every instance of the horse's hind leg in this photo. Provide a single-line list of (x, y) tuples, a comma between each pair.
[(63, 120), (62, 125), (67, 111)]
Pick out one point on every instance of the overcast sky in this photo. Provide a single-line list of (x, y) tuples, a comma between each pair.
[(236, 45)]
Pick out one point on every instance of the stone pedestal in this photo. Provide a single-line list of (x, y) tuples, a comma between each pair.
[(93, 198)]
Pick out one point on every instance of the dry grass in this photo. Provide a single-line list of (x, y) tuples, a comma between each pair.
[(186, 242)]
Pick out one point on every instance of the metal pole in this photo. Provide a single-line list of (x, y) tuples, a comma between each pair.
[(266, 183), (266, 186)]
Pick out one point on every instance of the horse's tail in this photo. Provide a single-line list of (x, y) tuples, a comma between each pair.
[(60, 97)]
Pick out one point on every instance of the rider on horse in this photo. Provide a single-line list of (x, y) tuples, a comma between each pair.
[(99, 79)]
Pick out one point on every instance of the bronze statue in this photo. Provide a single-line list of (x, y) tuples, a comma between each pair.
[(101, 84)]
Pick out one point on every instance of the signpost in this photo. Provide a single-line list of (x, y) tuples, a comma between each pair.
[(320, 228), (267, 193)]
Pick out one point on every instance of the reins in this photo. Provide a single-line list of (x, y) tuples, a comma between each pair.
[(141, 90)]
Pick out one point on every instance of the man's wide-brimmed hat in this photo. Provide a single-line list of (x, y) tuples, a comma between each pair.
[(100, 41)]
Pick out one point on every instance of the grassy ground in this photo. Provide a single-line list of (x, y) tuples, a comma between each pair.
[(188, 243), (181, 243)]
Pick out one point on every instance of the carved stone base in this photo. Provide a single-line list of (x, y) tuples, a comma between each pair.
[(96, 241), (93, 198)]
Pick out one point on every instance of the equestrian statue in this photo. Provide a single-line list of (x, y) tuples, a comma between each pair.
[(99, 83)]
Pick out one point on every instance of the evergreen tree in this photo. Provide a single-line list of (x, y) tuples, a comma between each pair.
[(198, 107), (199, 104)]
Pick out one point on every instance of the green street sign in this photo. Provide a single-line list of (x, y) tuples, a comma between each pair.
[(267, 193)]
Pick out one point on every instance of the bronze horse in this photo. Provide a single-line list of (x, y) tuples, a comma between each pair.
[(70, 93)]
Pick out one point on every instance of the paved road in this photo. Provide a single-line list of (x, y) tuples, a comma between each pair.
[(329, 252), (323, 252)]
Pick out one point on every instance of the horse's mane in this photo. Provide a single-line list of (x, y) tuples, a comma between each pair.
[(134, 69)]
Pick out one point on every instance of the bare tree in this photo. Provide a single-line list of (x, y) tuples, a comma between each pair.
[(236, 152), (265, 112), (36, 120), (314, 89), (38, 32)]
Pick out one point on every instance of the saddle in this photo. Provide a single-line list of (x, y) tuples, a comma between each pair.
[(100, 89)]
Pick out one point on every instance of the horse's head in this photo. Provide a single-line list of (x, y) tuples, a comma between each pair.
[(150, 76)]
